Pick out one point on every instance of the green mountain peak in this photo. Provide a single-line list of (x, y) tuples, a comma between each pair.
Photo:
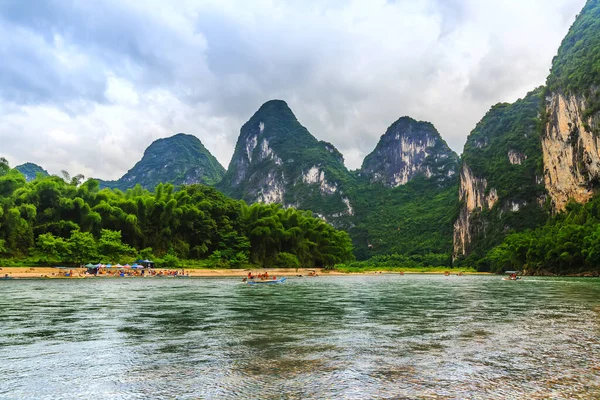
[(179, 159), (30, 170)]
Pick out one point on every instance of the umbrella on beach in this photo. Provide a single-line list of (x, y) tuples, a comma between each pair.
[(89, 265)]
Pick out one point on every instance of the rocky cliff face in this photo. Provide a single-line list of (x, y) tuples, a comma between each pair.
[(571, 150), (276, 160), (500, 180), (179, 159), (407, 149), (570, 139), (475, 198)]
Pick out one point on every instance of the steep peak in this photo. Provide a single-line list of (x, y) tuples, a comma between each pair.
[(275, 115), (409, 121), (182, 138), (274, 106), (407, 149)]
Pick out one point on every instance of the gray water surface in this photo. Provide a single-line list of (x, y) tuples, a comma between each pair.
[(355, 337)]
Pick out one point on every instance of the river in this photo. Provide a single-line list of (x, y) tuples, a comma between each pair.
[(351, 337)]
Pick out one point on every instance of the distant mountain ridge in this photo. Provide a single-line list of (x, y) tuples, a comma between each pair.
[(181, 159), (30, 170)]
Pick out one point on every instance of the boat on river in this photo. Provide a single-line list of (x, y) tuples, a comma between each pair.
[(512, 276), (265, 281)]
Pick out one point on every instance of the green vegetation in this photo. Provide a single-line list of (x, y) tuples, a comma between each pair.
[(507, 128), (398, 262), (568, 244), (180, 159), (576, 67), (50, 220), (415, 219)]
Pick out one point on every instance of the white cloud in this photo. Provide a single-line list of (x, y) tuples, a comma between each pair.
[(87, 88)]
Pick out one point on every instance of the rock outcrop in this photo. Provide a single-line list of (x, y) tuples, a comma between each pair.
[(571, 150), (474, 197), (570, 139), (410, 148)]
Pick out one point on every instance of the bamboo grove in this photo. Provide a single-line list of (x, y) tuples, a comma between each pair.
[(51, 219)]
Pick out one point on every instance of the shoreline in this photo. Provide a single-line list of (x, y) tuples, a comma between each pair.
[(80, 273)]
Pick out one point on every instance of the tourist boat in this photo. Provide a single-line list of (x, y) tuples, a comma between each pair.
[(512, 276), (265, 282)]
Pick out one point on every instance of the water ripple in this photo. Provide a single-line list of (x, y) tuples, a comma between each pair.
[(381, 337)]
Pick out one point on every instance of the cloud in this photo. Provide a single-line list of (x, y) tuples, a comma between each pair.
[(87, 86)]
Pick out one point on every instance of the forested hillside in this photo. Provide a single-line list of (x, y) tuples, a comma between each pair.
[(51, 220), (411, 219), (568, 244)]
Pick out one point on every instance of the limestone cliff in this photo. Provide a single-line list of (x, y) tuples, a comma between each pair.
[(276, 160), (571, 150), (407, 149), (500, 179), (570, 139), (472, 194)]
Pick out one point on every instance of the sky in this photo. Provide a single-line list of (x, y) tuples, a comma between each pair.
[(87, 86)]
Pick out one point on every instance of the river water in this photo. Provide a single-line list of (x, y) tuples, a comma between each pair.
[(351, 337)]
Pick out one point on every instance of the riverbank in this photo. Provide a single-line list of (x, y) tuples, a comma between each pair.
[(74, 273)]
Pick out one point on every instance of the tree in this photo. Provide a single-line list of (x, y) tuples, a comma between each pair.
[(52, 248), (83, 247), (111, 245), (287, 260)]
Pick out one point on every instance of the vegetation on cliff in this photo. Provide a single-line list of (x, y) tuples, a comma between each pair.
[(505, 150), (576, 67), (51, 220), (569, 243)]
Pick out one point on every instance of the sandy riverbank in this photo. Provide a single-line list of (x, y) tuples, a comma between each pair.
[(48, 272)]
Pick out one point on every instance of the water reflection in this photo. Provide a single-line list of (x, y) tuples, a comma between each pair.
[(331, 337)]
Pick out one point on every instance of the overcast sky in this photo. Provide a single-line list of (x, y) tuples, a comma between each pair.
[(86, 86)]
